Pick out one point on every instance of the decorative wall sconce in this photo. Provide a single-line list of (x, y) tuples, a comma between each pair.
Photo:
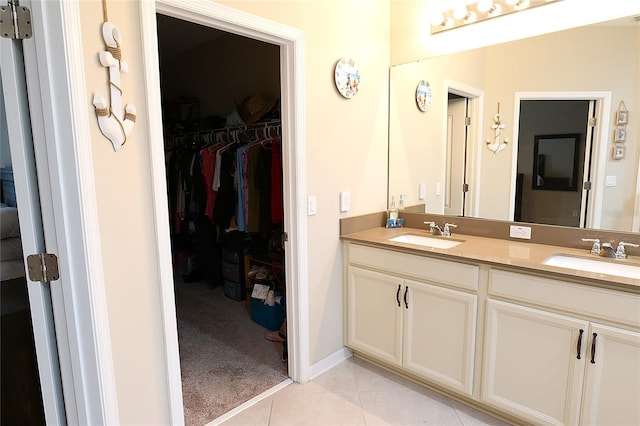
[(497, 145), (480, 10)]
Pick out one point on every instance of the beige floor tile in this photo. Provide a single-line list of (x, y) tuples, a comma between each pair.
[(257, 415), (407, 407), (371, 378), (321, 408), (472, 417)]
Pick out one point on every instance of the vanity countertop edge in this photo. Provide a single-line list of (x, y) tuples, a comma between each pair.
[(498, 252)]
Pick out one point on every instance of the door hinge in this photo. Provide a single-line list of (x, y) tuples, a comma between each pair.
[(593, 122), (467, 121), (465, 187), (15, 21), (586, 186), (43, 267)]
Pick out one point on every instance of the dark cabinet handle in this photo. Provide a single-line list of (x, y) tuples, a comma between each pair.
[(406, 290), (580, 343), (398, 294), (593, 348)]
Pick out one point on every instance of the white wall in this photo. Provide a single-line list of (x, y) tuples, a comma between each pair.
[(346, 146)]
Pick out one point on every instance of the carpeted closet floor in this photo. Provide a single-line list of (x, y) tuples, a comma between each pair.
[(224, 357)]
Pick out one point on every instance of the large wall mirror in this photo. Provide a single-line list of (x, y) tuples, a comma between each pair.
[(569, 82)]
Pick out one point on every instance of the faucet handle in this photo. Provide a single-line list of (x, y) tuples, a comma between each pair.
[(433, 227), (447, 229), (595, 249), (621, 253)]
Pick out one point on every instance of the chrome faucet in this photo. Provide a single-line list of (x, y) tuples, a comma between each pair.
[(434, 228), (606, 250), (595, 248), (621, 253), (447, 229)]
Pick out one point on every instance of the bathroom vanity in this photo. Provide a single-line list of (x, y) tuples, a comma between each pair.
[(489, 323)]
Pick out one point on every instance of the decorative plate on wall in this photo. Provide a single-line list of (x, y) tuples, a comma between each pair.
[(347, 77), (423, 95)]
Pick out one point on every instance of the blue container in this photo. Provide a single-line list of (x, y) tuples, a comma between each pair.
[(270, 317)]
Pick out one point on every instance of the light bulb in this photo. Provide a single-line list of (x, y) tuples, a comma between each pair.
[(485, 5), (460, 12), (437, 20)]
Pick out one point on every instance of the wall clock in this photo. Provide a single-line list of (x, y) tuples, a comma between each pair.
[(347, 77), (423, 95)]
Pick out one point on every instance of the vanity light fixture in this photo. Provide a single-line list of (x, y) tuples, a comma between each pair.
[(480, 10)]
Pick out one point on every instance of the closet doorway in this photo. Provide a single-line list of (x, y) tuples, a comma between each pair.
[(222, 135)]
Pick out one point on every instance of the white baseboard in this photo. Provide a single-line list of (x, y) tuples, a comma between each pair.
[(329, 362)]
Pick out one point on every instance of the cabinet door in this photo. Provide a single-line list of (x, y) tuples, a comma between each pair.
[(531, 366), (374, 323), (612, 386), (439, 337)]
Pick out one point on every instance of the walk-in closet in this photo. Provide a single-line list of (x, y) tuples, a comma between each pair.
[(222, 140)]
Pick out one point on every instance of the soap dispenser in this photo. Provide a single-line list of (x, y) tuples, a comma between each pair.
[(392, 214), (401, 203)]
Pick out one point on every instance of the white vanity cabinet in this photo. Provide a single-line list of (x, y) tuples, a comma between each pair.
[(553, 362), (404, 310)]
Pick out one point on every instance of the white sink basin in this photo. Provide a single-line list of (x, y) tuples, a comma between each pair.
[(424, 241), (601, 266)]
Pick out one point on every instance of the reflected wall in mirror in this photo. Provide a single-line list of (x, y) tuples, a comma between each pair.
[(599, 62)]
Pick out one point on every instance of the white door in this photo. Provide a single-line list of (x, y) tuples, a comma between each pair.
[(612, 384), (533, 363), (454, 197), (375, 309), (439, 336), (31, 227)]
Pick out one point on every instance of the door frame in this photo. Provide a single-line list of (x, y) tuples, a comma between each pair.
[(599, 146), (475, 102), (31, 216), (54, 71), (291, 43)]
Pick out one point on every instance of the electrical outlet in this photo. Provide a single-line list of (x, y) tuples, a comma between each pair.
[(523, 232), (438, 188)]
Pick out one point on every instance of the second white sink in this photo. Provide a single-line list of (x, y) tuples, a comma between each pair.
[(601, 266), (425, 241)]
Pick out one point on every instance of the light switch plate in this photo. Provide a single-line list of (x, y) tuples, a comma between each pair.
[(422, 191), (312, 205), (345, 201), (611, 180)]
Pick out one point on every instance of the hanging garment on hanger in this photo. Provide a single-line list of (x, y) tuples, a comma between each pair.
[(277, 209)]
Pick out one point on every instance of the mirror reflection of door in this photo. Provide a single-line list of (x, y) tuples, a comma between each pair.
[(454, 193), (553, 204)]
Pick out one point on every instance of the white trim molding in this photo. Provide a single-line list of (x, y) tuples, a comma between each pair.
[(291, 42), (64, 130), (600, 146)]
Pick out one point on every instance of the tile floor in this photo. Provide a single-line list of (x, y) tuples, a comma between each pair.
[(358, 393)]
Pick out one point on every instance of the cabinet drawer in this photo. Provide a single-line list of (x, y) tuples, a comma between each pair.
[(456, 274), (582, 299)]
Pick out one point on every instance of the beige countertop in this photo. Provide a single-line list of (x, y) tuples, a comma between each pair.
[(499, 252)]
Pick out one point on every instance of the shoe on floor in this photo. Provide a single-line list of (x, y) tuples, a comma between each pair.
[(274, 336)]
